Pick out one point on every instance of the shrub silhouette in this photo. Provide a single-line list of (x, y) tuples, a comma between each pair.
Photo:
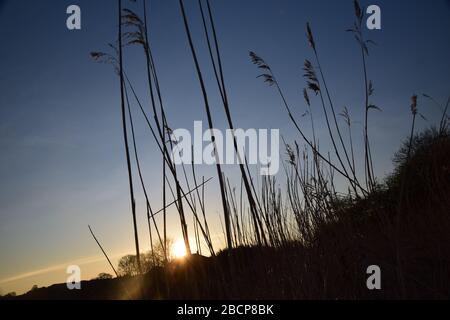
[(104, 276), (128, 264)]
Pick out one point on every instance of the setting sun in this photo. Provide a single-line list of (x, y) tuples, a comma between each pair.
[(179, 249)]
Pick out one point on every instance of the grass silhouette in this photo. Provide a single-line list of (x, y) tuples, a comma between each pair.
[(310, 241)]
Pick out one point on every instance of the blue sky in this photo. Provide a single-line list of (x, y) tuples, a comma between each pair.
[(61, 151)]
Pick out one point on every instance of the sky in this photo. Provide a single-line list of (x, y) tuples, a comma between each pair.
[(62, 164)]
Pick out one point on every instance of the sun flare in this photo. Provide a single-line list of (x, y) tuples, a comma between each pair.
[(179, 249)]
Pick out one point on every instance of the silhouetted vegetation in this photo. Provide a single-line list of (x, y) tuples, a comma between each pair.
[(309, 241), (104, 276)]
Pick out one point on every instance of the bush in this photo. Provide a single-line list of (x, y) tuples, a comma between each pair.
[(128, 264), (104, 276)]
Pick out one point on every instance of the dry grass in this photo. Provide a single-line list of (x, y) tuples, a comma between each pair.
[(310, 241)]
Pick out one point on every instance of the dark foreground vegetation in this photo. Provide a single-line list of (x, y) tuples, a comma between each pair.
[(403, 227), (309, 240)]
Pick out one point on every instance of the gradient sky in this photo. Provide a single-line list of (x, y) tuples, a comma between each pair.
[(62, 165)]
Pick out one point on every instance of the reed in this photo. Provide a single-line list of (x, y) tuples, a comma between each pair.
[(211, 126), (314, 85), (125, 137), (219, 76), (320, 234)]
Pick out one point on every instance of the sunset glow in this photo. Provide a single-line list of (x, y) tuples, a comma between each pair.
[(179, 249)]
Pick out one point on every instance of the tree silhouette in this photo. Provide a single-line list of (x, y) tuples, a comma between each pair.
[(104, 276)]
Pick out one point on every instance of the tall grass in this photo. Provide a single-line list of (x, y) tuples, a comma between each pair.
[(219, 76), (357, 30), (125, 136), (211, 127), (315, 229)]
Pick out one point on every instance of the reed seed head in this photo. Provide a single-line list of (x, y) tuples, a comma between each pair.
[(414, 105), (310, 36)]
